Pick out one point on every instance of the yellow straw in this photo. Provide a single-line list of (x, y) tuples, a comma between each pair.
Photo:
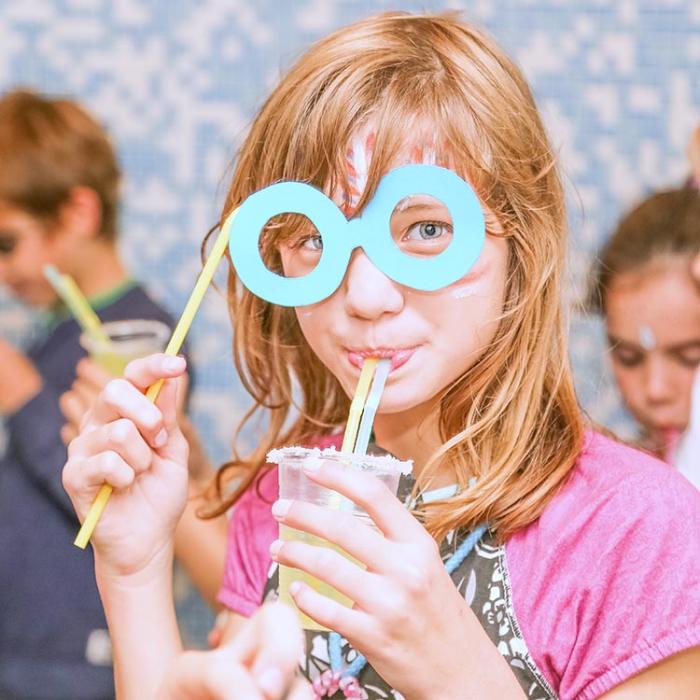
[(176, 341), (358, 403), (66, 288)]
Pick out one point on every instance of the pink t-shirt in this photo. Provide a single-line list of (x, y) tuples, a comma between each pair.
[(603, 585)]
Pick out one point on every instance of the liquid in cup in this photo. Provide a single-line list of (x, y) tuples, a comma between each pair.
[(128, 340), (295, 485)]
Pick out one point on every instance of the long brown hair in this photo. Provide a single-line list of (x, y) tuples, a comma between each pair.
[(665, 225), (512, 419)]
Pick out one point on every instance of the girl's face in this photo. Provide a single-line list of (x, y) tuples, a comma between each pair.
[(432, 338), (653, 324)]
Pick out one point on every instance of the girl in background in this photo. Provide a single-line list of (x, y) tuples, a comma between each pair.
[(645, 288), (542, 559)]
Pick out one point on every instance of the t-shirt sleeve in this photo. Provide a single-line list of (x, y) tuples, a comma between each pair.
[(252, 529), (608, 583)]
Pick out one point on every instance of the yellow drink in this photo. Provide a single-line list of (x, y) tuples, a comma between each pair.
[(125, 341), (287, 575), (112, 362), (295, 485)]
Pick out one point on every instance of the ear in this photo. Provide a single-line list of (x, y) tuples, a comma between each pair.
[(81, 214)]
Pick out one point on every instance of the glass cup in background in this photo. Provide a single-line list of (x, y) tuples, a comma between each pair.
[(295, 485), (128, 340)]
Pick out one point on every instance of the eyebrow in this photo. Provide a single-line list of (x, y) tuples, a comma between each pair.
[(678, 347), (408, 203)]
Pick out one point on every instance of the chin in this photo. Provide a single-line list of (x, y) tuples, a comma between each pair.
[(401, 401)]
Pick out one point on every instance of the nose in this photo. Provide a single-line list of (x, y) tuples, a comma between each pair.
[(369, 293), (658, 380)]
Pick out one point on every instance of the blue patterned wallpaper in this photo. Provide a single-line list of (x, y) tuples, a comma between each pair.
[(177, 82)]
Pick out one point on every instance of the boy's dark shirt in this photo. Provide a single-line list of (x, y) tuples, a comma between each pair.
[(49, 604)]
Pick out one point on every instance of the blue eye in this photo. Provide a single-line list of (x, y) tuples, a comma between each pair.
[(427, 231), (312, 243)]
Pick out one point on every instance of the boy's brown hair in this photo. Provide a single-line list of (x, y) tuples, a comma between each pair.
[(48, 146)]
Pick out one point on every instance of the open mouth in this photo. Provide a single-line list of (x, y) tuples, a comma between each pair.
[(398, 356)]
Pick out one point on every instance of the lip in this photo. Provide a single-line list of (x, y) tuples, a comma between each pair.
[(398, 356)]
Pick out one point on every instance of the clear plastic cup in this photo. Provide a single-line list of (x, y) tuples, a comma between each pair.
[(295, 485), (128, 340)]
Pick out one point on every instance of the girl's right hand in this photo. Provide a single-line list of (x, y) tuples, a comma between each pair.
[(137, 448)]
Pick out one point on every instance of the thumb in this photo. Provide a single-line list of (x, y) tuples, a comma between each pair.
[(271, 645), (176, 447)]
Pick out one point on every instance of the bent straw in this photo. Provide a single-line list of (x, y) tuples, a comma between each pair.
[(371, 405), (358, 401), (176, 341), (69, 292)]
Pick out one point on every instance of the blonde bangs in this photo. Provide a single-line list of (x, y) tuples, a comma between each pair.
[(512, 420)]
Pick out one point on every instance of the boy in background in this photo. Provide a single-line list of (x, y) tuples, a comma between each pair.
[(59, 199)]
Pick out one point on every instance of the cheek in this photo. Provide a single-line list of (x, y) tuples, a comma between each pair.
[(629, 383), (30, 259), (313, 321)]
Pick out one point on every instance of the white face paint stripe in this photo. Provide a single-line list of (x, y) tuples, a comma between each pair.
[(647, 339), (463, 292)]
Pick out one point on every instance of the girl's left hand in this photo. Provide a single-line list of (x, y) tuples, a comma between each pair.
[(258, 664), (409, 620)]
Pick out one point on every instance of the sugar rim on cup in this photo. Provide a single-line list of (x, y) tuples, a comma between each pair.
[(380, 463)]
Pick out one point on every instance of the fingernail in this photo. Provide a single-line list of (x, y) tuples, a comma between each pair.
[(271, 681), (281, 507), (294, 587), (172, 364), (275, 548), (161, 438), (312, 464)]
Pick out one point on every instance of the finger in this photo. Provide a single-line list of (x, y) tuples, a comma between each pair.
[(208, 674), (352, 623), (301, 690), (271, 646), (83, 477), (68, 433), (373, 496), (331, 567), (355, 535), (72, 407), (148, 370), (167, 403), (121, 399), (87, 392), (92, 374), (120, 436)]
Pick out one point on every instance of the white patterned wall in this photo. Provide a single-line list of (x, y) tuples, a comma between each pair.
[(177, 82)]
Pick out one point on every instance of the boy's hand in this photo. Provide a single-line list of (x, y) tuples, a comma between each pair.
[(137, 448), (19, 379), (258, 664), (90, 380)]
